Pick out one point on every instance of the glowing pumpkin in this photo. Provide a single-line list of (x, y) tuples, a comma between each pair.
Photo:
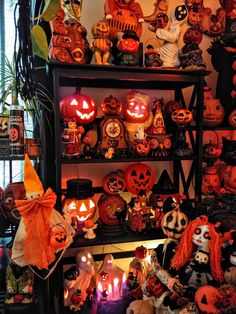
[(136, 111), (114, 182), (58, 237), (182, 116), (112, 209), (174, 223), (111, 105), (139, 178), (206, 298), (82, 209), (213, 113), (79, 106)]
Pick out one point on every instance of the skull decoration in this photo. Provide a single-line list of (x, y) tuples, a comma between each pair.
[(79, 106), (114, 182), (174, 223), (139, 178)]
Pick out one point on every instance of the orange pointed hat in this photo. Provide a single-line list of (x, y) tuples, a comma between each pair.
[(33, 185)]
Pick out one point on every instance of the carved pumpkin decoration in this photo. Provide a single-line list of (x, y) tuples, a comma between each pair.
[(193, 35), (82, 209), (79, 106), (210, 181), (111, 106), (4, 126), (232, 119), (174, 223), (206, 298), (112, 209), (182, 116), (170, 107), (124, 20), (58, 237), (139, 178), (213, 113), (100, 29), (136, 111), (114, 182)]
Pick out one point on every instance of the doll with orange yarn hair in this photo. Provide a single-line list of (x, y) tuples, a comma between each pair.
[(200, 259)]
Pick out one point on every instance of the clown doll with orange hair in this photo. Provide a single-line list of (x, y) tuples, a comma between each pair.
[(198, 255)]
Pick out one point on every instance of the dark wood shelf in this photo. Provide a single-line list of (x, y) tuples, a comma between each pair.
[(108, 76), (133, 159)]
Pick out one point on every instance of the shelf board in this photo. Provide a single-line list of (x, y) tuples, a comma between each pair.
[(133, 159), (13, 158), (103, 76)]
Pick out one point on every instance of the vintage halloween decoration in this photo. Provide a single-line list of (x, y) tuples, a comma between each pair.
[(78, 204), (123, 15), (160, 7), (4, 123), (79, 277), (89, 227), (152, 57), (174, 222), (114, 182), (139, 266), (135, 216), (228, 151), (169, 51), (78, 106), (136, 108), (128, 47), (101, 43), (191, 54), (232, 119), (68, 43), (35, 242), (213, 113), (207, 297), (110, 277), (228, 176), (210, 181), (111, 105), (206, 238), (112, 209), (71, 138), (16, 130), (139, 178)]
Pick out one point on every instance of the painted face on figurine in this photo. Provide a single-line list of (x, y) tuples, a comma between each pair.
[(201, 237), (195, 15), (193, 35), (4, 126), (201, 257), (181, 13), (213, 112), (163, 5), (85, 261)]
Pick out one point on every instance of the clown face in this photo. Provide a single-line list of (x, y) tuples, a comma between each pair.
[(201, 237)]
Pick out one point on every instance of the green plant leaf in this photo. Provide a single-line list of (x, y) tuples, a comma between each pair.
[(39, 42), (50, 10)]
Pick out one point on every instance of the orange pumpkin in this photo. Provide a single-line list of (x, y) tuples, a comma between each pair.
[(100, 29), (139, 178), (136, 111), (182, 116), (82, 209), (58, 237), (206, 298), (213, 113), (111, 105), (79, 106), (114, 182)]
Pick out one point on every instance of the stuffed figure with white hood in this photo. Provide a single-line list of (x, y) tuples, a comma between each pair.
[(43, 233), (169, 51)]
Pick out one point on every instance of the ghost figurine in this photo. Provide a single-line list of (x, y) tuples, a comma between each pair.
[(169, 51)]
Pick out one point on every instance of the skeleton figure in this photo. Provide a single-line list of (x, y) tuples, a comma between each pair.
[(169, 51)]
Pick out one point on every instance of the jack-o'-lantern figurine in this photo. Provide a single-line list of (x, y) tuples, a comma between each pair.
[(122, 15), (139, 178), (128, 47), (112, 214), (195, 14), (78, 106), (136, 108), (191, 54), (210, 181), (181, 117), (213, 113), (152, 57), (160, 21), (140, 266), (58, 237), (111, 106), (69, 42), (101, 43), (174, 222), (114, 182), (78, 204)]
